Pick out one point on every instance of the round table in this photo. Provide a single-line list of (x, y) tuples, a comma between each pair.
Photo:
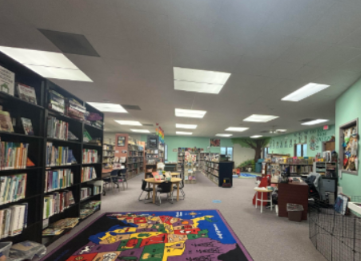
[(174, 174), (156, 183)]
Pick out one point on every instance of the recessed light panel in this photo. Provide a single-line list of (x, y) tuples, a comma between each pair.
[(185, 126), (108, 107), (140, 130), (47, 64), (256, 136), (305, 91), (202, 81), (189, 113), (224, 134), (281, 130), (183, 133), (237, 129), (260, 118), (129, 123), (314, 122)]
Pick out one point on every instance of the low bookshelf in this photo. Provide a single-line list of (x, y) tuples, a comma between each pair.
[(218, 172), (51, 152)]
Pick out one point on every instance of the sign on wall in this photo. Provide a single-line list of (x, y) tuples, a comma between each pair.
[(7, 81)]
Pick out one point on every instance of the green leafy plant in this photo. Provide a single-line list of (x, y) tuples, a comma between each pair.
[(256, 144)]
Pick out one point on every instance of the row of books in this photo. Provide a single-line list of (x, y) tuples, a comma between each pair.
[(75, 110), (13, 220), (90, 156), (13, 155), (59, 226), (85, 193), (58, 156), (57, 129), (12, 188), (89, 208), (56, 101), (88, 173), (57, 202), (58, 179)]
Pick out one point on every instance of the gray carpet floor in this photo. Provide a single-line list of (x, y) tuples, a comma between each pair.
[(266, 236)]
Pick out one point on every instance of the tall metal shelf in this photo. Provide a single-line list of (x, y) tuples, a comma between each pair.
[(38, 114)]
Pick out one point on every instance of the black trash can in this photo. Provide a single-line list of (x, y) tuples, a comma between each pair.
[(294, 212)]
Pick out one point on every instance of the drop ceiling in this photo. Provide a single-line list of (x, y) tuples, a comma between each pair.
[(270, 47)]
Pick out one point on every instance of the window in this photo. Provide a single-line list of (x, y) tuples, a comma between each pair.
[(228, 151), (300, 150), (166, 153), (265, 153)]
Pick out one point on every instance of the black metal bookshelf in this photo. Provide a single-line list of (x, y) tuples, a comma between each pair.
[(38, 114)]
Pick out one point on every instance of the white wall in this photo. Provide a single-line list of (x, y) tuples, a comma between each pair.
[(241, 154)]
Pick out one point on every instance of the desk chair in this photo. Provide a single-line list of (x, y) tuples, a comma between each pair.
[(181, 186), (164, 188), (112, 179), (123, 176), (148, 173), (145, 189)]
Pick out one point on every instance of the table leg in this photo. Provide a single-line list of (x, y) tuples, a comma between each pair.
[(270, 197), (153, 193), (178, 191), (262, 203), (256, 201)]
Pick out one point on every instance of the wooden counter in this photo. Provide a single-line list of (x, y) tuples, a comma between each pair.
[(296, 193)]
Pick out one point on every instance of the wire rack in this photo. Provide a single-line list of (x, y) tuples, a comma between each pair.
[(335, 236)]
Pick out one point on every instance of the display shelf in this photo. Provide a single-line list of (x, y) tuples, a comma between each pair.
[(38, 114)]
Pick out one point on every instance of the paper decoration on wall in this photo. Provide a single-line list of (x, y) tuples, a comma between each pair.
[(286, 144), (305, 141), (290, 143), (277, 145), (313, 143), (281, 144), (350, 144), (159, 131)]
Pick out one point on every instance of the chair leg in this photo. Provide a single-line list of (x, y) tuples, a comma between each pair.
[(139, 199)]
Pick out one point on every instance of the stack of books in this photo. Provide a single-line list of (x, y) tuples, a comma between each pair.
[(57, 129), (12, 188), (57, 202), (13, 220), (76, 110), (88, 173), (58, 179), (56, 101), (13, 155), (59, 226), (59, 156), (89, 208), (85, 193), (90, 156)]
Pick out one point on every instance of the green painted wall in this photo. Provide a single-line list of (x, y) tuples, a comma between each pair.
[(348, 108), (284, 144), (174, 142)]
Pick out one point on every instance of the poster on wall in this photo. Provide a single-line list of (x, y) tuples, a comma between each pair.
[(215, 142), (350, 145), (121, 141)]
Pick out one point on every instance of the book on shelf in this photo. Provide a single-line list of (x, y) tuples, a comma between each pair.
[(57, 129), (90, 156), (75, 109), (7, 81), (58, 179), (88, 173), (26, 93), (56, 102), (58, 156), (65, 223), (5, 122), (86, 136), (27, 126), (13, 220), (57, 202), (72, 136), (52, 231), (12, 188), (13, 155), (89, 208)]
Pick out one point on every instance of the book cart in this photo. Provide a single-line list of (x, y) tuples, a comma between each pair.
[(37, 163)]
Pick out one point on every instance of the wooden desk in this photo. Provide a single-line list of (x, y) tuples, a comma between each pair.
[(296, 193), (156, 183)]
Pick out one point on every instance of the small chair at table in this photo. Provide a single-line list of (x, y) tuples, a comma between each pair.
[(181, 186), (263, 190), (123, 176), (145, 189), (164, 188)]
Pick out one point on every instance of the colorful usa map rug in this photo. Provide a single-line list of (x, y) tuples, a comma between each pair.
[(197, 235)]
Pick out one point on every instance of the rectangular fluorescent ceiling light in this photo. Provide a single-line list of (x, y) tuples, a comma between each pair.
[(185, 126), (108, 107), (256, 136), (191, 80), (260, 118), (237, 129), (140, 130), (314, 122), (281, 130), (183, 133), (129, 123), (305, 91), (224, 134), (189, 113), (47, 64)]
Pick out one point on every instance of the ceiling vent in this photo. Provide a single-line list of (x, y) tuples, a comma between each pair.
[(131, 107), (70, 43)]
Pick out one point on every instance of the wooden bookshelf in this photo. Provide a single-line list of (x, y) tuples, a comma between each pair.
[(38, 114), (108, 156)]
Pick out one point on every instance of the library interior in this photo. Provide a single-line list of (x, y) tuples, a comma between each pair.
[(178, 130)]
